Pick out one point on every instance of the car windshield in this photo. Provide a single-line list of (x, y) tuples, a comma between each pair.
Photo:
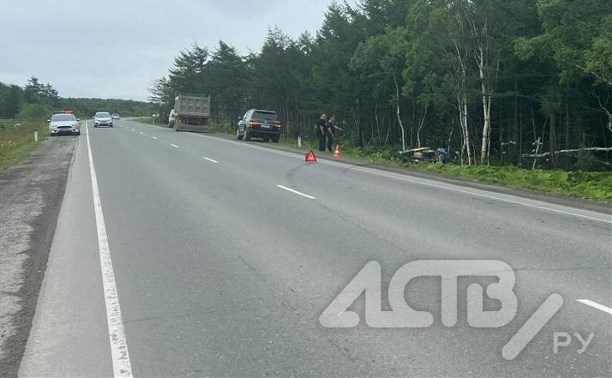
[(63, 117), (102, 115)]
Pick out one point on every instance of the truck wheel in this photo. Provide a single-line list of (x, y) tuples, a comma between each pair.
[(238, 136)]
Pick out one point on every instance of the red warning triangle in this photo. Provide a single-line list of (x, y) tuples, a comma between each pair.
[(310, 157)]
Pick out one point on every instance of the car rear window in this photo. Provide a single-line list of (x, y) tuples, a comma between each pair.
[(268, 116), (63, 117)]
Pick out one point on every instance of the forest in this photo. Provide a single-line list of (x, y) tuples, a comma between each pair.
[(36, 101), (522, 82)]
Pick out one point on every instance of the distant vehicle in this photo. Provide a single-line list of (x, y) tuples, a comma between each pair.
[(171, 119), (103, 119), (258, 123), (115, 116), (191, 113), (64, 123)]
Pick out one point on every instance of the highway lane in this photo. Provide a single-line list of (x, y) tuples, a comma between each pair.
[(226, 253)]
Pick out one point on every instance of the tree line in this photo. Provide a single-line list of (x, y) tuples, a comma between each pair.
[(495, 81), (37, 101)]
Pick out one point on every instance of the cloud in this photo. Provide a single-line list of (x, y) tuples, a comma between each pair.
[(117, 48)]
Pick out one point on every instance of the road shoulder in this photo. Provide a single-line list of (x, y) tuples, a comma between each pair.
[(69, 334), (31, 194)]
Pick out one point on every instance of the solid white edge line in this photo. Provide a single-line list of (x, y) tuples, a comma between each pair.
[(174, 145), (122, 366), (296, 192), (211, 160), (595, 305)]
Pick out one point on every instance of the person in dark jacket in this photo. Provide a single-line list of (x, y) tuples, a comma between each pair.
[(330, 133), (321, 131)]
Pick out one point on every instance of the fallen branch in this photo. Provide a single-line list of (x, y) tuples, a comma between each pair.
[(567, 151)]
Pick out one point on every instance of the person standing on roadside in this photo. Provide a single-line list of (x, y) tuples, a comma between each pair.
[(330, 130), (321, 131)]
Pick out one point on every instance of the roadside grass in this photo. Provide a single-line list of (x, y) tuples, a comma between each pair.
[(148, 121), (587, 185), (17, 140)]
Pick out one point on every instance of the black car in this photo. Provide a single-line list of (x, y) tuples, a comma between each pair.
[(259, 124)]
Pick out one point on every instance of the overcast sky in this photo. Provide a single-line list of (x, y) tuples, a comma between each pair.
[(117, 48)]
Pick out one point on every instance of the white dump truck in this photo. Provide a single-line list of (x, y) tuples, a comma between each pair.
[(191, 113)]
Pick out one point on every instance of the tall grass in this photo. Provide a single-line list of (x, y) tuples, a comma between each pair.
[(17, 140)]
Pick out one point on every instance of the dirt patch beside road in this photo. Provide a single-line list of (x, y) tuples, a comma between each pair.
[(31, 194)]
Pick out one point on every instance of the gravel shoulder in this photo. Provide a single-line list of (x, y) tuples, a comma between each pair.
[(31, 194)]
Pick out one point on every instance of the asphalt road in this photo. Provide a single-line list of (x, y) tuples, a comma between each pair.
[(225, 254)]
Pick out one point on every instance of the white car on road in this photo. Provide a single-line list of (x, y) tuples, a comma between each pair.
[(64, 123), (103, 119)]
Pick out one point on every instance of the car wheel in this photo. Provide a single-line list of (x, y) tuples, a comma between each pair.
[(95, 125), (238, 136), (246, 134), (111, 125)]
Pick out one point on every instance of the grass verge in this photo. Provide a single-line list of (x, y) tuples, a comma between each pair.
[(17, 140), (148, 121), (586, 185)]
